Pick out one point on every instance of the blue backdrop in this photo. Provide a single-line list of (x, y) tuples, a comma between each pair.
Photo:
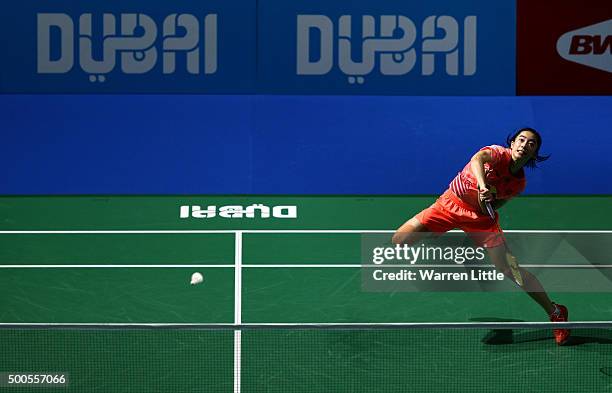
[(440, 47), (289, 144), (43, 46)]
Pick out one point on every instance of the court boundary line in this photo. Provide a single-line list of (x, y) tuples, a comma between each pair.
[(311, 325), (255, 231), (237, 310), (268, 266)]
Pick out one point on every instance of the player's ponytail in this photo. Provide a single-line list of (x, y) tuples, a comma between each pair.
[(532, 163)]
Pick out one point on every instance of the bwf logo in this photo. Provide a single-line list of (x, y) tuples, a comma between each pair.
[(132, 40), (392, 44), (590, 46)]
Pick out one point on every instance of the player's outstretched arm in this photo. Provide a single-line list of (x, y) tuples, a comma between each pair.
[(477, 163)]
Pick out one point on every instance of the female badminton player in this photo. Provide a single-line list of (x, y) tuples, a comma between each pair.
[(494, 175)]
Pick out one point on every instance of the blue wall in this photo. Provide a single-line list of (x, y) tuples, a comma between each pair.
[(289, 144)]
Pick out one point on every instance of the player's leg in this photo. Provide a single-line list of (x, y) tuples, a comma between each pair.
[(410, 232), (436, 219), (489, 234), (499, 257), (557, 313)]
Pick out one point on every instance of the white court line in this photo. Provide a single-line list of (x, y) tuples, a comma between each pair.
[(205, 231), (338, 265), (393, 231), (14, 266), (237, 310), (213, 325), (417, 266), (105, 232)]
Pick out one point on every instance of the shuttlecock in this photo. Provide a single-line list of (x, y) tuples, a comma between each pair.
[(196, 278)]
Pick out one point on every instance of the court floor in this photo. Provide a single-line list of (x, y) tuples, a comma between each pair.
[(128, 260)]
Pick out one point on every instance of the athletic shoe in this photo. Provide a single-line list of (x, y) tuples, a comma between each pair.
[(561, 335)]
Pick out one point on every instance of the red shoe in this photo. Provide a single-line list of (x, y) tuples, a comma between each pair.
[(561, 335)]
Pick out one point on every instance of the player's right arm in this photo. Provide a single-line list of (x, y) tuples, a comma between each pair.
[(477, 164)]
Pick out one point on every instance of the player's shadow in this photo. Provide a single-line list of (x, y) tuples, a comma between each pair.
[(519, 336), (591, 339), (497, 336)]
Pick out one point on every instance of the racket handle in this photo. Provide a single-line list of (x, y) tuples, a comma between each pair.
[(490, 210)]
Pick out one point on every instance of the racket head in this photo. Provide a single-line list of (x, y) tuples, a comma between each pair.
[(514, 268)]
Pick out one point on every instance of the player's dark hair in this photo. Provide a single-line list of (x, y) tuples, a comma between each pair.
[(533, 162)]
